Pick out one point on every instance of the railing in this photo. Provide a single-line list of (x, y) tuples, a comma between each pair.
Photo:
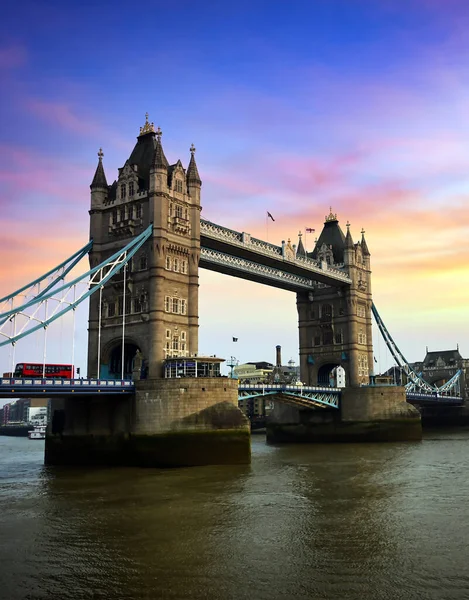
[(247, 266), (64, 386), (245, 240)]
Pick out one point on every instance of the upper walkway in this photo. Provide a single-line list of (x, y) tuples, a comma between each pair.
[(241, 255)]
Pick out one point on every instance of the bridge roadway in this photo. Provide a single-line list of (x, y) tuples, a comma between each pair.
[(302, 396)]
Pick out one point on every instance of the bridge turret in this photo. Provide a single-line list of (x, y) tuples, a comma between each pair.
[(365, 251), (99, 187), (159, 167), (194, 182), (349, 248)]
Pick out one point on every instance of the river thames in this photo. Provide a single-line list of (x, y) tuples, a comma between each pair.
[(387, 521)]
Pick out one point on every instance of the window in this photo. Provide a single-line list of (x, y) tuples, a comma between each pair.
[(338, 337), (183, 348), (168, 263), (179, 186), (122, 214), (183, 336), (328, 335), (185, 213), (168, 334), (167, 304), (317, 340), (138, 211), (183, 307), (178, 211), (123, 190), (176, 305), (176, 264), (184, 266), (131, 188), (143, 262), (175, 343), (361, 337), (111, 309), (128, 302), (131, 211), (120, 305), (326, 312), (170, 210), (168, 348), (137, 305), (360, 310), (114, 217)]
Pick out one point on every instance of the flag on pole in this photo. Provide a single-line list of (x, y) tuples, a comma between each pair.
[(310, 230), (269, 215), (235, 339)]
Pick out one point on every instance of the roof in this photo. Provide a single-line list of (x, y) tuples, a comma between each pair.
[(333, 236), (99, 179), (143, 155), (448, 356)]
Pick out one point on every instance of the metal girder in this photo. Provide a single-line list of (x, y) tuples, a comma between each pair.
[(60, 299), (304, 396), (244, 268)]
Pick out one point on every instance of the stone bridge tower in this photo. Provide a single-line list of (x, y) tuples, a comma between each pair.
[(335, 323), (156, 311)]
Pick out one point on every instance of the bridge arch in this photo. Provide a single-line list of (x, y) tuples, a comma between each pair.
[(111, 358), (325, 373)]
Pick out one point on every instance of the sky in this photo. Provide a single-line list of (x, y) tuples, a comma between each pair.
[(294, 107)]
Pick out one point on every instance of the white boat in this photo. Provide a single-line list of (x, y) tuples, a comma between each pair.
[(38, 433)]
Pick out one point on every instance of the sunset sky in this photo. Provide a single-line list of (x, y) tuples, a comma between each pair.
[(361, 105)]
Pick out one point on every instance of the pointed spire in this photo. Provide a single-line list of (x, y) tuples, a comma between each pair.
[(99, 179), (147, 127), (192, 171), (365, 250), (348, 237), (159, 159), (300, 250)]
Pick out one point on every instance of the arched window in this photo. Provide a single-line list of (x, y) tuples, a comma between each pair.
[(326, 312)]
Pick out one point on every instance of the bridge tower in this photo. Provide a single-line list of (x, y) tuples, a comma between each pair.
[(152, 307), (335, 323)]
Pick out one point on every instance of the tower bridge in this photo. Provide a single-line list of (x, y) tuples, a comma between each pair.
[(148, 242)]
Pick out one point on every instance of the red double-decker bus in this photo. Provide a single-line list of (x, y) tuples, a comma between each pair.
[(51, 371)]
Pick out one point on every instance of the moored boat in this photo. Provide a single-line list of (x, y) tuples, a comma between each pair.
[(38, 433)]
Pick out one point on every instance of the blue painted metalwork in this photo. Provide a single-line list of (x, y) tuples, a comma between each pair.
[(416, 384), (301, 396), (104, 271), (73, 260), (63, 387)]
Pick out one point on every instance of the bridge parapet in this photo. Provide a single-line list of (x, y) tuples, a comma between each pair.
[(63, 387)]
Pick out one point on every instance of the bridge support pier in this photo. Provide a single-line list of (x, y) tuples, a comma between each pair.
[(367, 414), (167, 423)]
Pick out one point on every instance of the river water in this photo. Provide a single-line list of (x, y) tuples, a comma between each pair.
[(377, 521)]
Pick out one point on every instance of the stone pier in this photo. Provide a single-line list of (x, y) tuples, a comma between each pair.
[(367, 414), (167, 423)]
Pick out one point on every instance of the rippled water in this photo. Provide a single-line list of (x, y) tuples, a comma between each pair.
[(310, 522)]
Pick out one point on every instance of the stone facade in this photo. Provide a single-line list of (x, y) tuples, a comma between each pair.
[(158, 292), (335, 324)]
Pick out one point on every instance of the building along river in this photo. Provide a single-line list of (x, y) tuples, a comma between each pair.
[(345, 522)]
